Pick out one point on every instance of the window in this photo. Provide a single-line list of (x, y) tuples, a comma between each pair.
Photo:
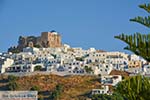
[(95, 92), (106, 66), (102, 92), (134, 62), (96, 60)]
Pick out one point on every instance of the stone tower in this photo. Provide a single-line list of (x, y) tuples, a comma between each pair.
[(50, 39)]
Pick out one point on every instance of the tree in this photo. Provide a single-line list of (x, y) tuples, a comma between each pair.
[(37, 46), (12, 78), (13, 85), (59, 88), (57, 92), (54, 55), (134, 88), (88, 69), (38, 68), (79, 58), (139, 43), (41, 98), (35, 88)]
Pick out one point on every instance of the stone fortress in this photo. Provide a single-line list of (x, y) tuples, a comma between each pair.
[(47, 39)]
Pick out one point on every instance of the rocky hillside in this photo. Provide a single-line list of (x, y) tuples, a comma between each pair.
[(74, 87)]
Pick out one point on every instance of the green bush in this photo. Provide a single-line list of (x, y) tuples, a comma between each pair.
[(37, 46), (38, 68), (88, 69), (79, 59), (114, 96), (40, 98), (35, 88), (57, 92), (13, 86), (12, 78)]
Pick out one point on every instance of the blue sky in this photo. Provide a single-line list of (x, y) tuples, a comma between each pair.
[(82, 23)]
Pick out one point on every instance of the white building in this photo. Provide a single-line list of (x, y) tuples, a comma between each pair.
[(103, 69), (21, 68), (96, 57), (111, 79), (103, 90), (146, 69), (5, 63), (76, 67), (118, 63), (134, 57), (31, 49), (52, 64)]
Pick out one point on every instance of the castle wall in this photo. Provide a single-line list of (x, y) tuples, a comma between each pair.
[(47, 39)]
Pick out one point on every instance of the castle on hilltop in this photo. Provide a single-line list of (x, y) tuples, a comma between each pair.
[(47, 39)]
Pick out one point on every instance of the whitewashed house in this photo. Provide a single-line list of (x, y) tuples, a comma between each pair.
[(119, 60), (52, 64), (31, 49), (118, 63), (76, 67), (5, 63), (103, 69), (103, 90), (146, 69), (21, 68), (111, 79), (96, 57)]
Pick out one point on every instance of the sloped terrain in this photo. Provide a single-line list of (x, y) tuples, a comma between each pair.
[(74, 87)]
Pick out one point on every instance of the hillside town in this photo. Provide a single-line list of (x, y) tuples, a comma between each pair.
[(53, 57)]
